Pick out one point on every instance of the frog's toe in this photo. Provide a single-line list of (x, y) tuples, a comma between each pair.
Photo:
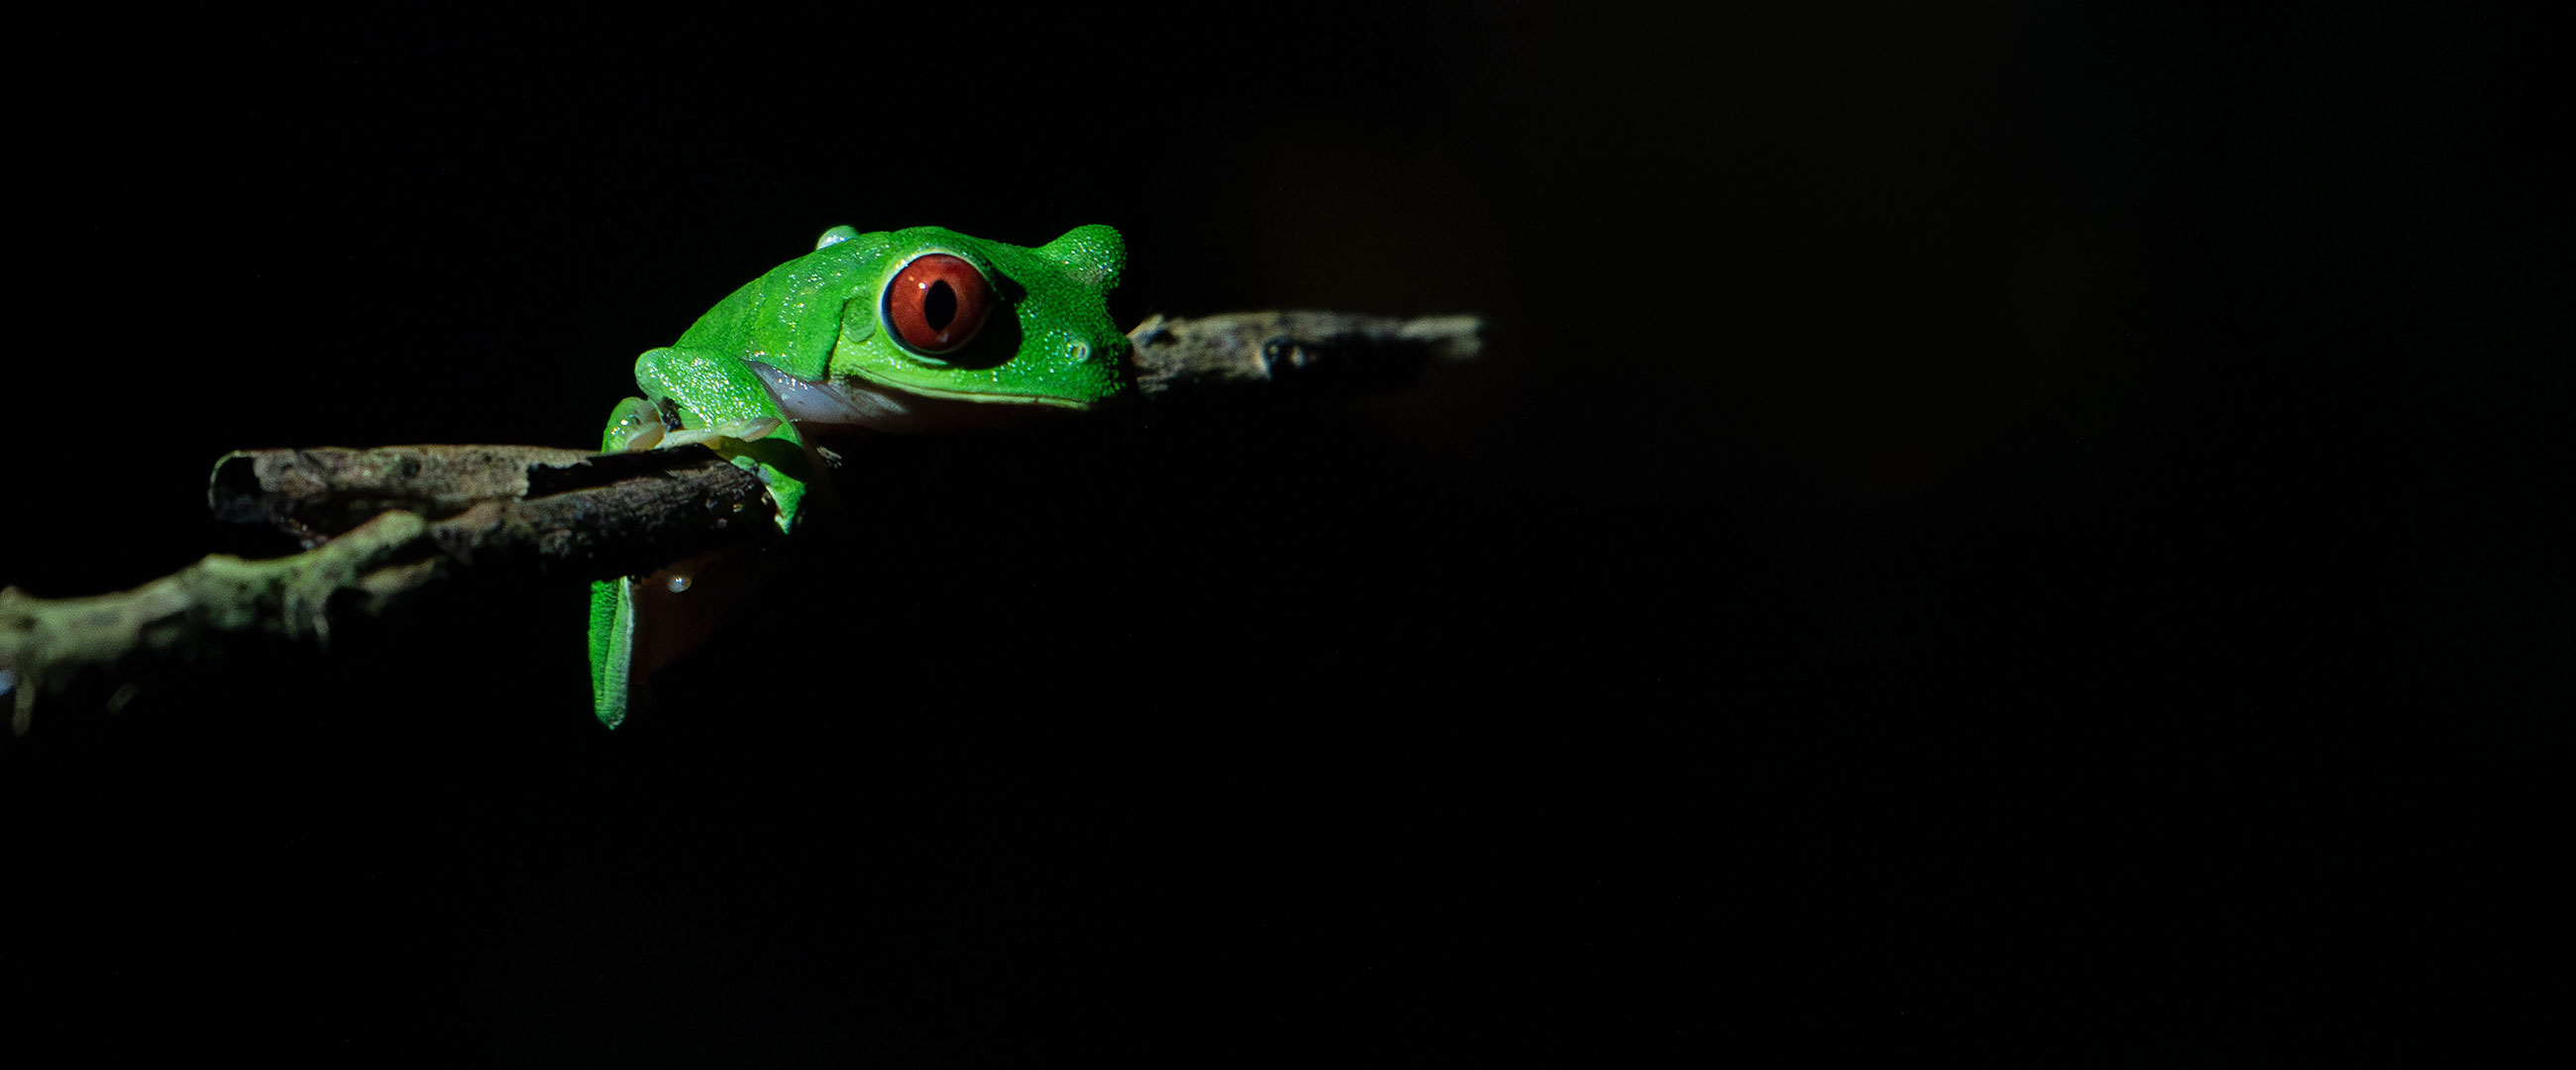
[(634, 425), (748, 429), (726, 438)]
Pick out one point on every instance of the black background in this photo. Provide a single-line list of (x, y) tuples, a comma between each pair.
[(1976, 533)]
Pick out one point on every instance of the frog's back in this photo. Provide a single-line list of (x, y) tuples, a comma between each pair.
[(790, 317)]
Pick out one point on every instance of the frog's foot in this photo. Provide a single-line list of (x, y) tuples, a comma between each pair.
[(637, 425), (725, 438), (766, 446)]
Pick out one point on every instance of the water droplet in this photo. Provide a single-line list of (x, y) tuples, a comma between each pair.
[(679, 584)]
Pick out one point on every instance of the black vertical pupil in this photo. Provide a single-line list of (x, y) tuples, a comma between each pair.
[(939, 305)]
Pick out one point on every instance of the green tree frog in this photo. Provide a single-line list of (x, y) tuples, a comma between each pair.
[(914, 330)]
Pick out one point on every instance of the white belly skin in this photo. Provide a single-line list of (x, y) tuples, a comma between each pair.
[(847, 403)]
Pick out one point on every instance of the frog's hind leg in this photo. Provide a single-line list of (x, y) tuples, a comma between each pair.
[(612, 647)]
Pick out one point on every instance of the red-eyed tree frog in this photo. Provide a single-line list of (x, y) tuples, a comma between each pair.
[(914, 330)]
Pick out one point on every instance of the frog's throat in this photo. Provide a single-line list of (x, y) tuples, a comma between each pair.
[(858, 401)]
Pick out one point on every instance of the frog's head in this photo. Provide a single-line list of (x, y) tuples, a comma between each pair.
[(940, 320)]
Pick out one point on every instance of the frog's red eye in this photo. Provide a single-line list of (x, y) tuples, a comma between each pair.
[(937, 303)]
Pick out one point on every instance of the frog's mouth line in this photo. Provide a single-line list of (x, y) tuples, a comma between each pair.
[(857, 401)]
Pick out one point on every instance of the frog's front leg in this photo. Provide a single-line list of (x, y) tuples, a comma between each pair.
[(722, 404)]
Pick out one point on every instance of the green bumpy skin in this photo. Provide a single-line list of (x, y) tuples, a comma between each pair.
[(811, 346)]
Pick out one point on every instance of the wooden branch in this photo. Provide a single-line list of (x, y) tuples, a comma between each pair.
[(384, 524), (1312, 352), (553, 510)]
